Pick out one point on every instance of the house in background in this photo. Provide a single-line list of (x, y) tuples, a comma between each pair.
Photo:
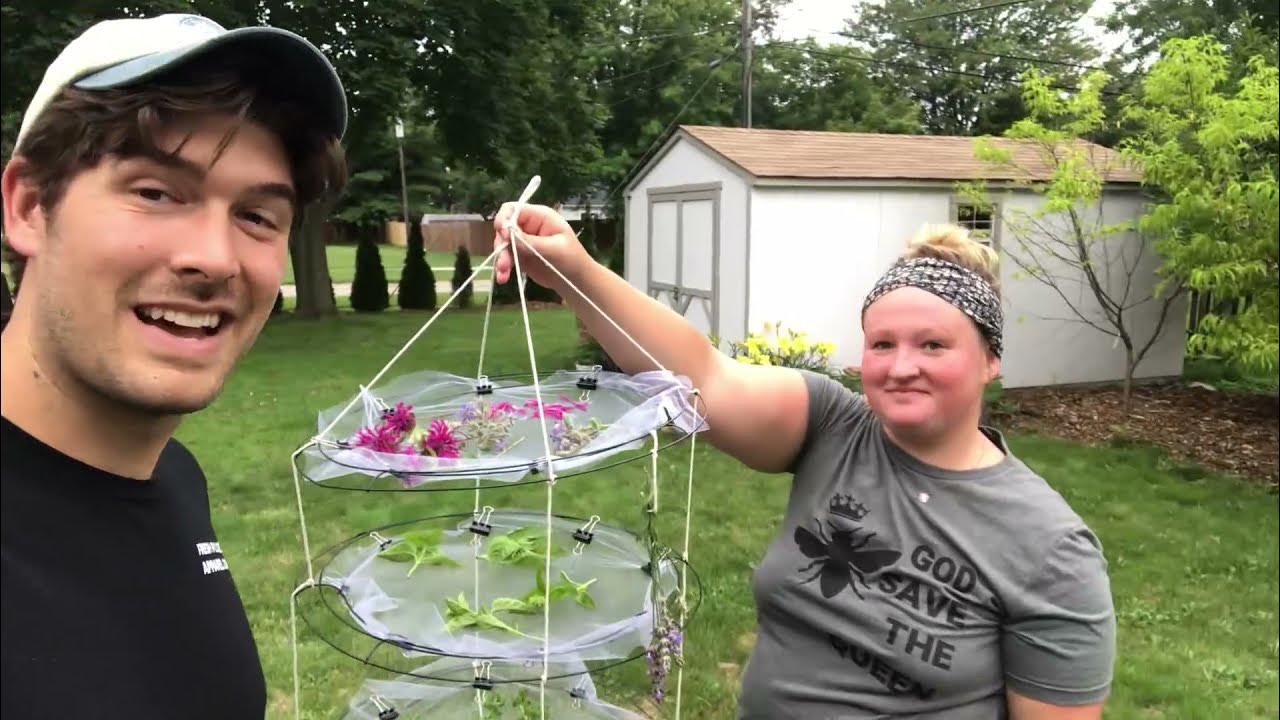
[(738, 227)]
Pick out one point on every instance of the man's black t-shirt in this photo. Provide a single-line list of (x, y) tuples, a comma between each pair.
[(117, 600)]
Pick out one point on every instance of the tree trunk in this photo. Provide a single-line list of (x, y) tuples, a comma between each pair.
[(1130, 367), (315, 293)]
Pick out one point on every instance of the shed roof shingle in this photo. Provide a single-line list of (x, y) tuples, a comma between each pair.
[(847, 155)]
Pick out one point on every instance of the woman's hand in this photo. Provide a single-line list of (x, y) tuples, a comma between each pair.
[(550, 235)]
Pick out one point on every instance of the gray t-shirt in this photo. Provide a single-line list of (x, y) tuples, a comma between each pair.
[(897, 589)]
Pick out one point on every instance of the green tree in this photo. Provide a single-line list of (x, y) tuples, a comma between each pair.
[(461, 272), (657, 61), (962, 68), (1212, 157), (503, 81), (369, 287), (806, 86), (417, 289), (1245, 27), (1064, 238)]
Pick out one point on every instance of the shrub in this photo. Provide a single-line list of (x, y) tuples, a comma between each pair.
[(618, 257), (790, 349), (417, 281), (369, 287), (462, 271), (533, 292), (506, 293)]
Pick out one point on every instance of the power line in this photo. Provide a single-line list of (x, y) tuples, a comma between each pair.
[(891, 63), (641, 71), (983, 53), (894, 63), (618, 41), (645, 155), (963, 11)]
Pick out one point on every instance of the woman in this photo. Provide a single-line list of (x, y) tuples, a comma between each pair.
[(921, 569)]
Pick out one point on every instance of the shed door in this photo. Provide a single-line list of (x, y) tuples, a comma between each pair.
[(684, 252)]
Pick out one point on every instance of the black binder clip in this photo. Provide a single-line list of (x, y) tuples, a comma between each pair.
[(589, 381), (385, 711), (482, 683), (584, 534), (479, 524), (483, 386)]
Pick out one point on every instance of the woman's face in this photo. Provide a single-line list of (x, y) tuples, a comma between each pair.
[(924, 365)]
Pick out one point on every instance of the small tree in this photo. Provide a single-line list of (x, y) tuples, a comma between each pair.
[(1213, 157), (1064, 243), (369, 287), (417, 282), (462, 271)]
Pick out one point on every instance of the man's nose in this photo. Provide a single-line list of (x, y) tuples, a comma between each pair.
[(209, 252)]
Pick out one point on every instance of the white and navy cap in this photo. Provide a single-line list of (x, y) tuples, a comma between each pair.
[(119, 53)]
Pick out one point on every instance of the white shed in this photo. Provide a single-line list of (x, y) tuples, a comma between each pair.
[(735, 228)]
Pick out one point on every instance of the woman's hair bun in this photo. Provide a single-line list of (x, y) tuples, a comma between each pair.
[(952, 244)]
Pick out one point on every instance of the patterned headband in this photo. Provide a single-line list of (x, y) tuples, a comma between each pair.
[(959, 286)]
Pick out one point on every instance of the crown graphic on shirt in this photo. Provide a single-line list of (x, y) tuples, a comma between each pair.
[(848, 506)]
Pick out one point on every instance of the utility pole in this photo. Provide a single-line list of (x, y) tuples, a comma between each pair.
[(746, 63), (404, 190)]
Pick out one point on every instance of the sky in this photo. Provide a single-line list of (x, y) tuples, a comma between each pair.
[(820, 18)]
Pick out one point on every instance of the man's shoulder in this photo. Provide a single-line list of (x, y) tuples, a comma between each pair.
[(178, 462)]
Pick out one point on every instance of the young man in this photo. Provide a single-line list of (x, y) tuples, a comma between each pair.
[(150, 195)]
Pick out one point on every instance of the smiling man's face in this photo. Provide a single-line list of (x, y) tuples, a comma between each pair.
[(153, 276)]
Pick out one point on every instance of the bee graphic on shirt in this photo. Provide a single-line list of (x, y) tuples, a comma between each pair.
[(842, 557)]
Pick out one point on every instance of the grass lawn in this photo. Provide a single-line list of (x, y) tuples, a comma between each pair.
[(342, 263), (1193, 555)]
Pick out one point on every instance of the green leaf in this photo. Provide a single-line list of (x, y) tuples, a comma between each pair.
[(512, 605), (524, 545), (419, 547)]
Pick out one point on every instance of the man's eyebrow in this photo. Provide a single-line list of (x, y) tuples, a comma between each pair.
[(198, 172), (276, 190)]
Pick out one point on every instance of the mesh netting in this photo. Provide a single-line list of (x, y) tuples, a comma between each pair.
[(513, 695), (429, 587), (429, 427)]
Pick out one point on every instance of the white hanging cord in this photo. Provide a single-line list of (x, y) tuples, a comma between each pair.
[(481, 517), (590, 302), (684, 552), (481, 669), (430, 321), (653, 473), (293, 635), (302, 515), (513, 233), (488, 309)]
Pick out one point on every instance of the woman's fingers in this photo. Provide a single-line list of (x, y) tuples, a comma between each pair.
[(538, 224)]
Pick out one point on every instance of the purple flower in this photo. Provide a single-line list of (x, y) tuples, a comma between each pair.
[(675, 637), (467, 412), (399, 417), (381, 438), (440, 441), (553, 411), (571, 403)]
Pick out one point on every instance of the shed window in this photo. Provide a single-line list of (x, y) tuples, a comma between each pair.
[(979, 220)]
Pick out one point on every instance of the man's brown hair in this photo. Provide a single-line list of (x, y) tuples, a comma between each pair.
[(79, 128)]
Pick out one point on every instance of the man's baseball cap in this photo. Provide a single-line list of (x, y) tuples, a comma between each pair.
[(119, 53)]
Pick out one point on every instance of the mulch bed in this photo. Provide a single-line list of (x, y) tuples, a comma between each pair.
[(1236, 433)]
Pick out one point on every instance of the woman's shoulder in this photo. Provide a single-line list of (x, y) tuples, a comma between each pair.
[(1035, 523)]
